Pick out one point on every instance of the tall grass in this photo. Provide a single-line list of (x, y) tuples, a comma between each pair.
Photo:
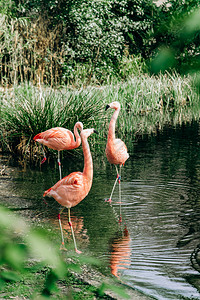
[(30, 51), (148, 103), (27, 110)]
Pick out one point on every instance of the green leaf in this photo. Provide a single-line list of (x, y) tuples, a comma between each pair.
[(163, 60), (42, 248), (116, 289), (16, 255), (192, 24), (10, 276)]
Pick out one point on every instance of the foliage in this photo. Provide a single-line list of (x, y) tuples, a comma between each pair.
[(29, 52), (49, 41), (18, 243), (27, 110), (138, 18), (31, 266), (56, 42), (176, 34), (148, 102)]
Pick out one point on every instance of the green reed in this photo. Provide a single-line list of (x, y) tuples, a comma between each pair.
[(27, 110), (147, 104)]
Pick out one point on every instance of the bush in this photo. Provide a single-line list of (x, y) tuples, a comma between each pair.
[(47, 41), (176, 34), (27, 110)]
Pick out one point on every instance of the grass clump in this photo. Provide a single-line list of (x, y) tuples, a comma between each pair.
[(151, 102), (148, 103), (27, 110)]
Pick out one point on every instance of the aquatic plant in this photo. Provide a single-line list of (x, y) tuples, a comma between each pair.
[(148, 103), (27, 110)]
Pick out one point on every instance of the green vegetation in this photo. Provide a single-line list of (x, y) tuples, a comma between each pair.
[(27, 110), (32, 267), (148, 103), (62, 62), (90, 42)]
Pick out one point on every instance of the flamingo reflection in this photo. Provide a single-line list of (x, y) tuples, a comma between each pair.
[(78, 227), (121, 252)]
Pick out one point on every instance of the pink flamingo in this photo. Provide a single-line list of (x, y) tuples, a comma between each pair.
[(59, 138), (116, 150), (121, 253), (73, 188)]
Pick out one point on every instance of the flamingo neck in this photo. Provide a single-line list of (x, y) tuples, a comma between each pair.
[(88, 164), (77, 142), (111, 131)]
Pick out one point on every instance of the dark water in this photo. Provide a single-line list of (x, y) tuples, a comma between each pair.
[(156, 249)]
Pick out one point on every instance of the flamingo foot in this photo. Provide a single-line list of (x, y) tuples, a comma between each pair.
[(44, 159), (45, 202), (108, 200), (62, 247), (77, 251)]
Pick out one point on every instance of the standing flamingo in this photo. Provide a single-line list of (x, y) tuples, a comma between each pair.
[(73, 188), (116, 150), (59, 138)]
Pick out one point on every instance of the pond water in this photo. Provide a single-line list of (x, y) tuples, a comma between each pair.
[(156, 248)]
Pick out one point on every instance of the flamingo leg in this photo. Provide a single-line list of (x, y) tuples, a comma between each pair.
[(70, 224), (44, 158), (61, 230), (59, 165), (120, 197), (110, 199)]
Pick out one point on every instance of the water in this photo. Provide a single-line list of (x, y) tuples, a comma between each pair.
[(156, 248)]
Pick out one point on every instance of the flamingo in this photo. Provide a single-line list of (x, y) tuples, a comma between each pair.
[(73, 188), (59, 138), (116, 150), (121, 252)]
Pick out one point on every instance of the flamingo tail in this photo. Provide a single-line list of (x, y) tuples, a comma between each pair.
[(46, 192), (37, 137)]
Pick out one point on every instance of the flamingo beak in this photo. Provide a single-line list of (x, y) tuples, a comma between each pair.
[(107, 106), (96, 131)]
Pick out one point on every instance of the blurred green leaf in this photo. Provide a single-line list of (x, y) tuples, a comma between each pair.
[(15, 256), (44, 250), (73, 267), (116, 289), (163, 60), (50, 283), (10, 276), (89, 260), (191, 24), (2, 283)]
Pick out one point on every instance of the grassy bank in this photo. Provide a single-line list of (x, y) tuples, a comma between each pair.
[(148, 104), (32, 267)]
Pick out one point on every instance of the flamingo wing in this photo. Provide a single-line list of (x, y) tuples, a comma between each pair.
[(68, 191), (116, 152), (57, 138), (120, 146), (58, 132)]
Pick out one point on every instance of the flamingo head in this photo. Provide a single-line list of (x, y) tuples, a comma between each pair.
[(79, 125), (87, 132), (115, 105)]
